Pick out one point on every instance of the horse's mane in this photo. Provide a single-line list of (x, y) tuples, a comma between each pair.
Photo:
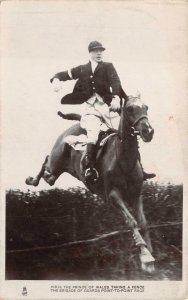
[(131, 97)]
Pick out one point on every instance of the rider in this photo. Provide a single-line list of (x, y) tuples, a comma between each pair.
[(99, 86)]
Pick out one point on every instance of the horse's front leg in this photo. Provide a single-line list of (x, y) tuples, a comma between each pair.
[(146, 258), (142, 221)]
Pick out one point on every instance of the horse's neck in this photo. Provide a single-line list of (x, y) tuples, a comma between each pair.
[(129, 144)]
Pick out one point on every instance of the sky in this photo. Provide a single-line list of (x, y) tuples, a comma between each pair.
[(146, 42)]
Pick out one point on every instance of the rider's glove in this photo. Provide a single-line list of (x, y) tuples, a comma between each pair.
[(56, 85), (115, 104)]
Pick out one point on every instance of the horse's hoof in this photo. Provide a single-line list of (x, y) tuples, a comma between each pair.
[(147, 176), (31, 181), (35, 182), (148, 267), (147, 260), (145, 255), (51, 180)]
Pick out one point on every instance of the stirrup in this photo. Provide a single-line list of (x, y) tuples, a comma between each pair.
[(91, 173)]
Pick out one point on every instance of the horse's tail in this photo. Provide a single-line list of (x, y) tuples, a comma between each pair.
[(71, 117)]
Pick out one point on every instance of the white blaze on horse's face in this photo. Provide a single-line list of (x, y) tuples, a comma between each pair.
[(137, 111)]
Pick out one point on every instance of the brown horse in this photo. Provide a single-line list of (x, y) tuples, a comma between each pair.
[(119, 167)]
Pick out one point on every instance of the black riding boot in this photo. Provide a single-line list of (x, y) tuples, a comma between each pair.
[(145, 175), (90, 173)]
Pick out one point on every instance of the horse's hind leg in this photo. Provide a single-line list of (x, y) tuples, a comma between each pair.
[(56, 162), (35, 180)]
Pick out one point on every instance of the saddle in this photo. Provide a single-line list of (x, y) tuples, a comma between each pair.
[(79, 142)]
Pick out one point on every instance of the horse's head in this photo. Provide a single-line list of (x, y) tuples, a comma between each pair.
[(135, 112)]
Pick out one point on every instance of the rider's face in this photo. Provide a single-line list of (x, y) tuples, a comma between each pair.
[(96, 55)]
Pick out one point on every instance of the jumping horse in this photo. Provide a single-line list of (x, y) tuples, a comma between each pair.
[(120, 171)]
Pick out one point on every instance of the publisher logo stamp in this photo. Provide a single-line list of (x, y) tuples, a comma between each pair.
[(24, 291)]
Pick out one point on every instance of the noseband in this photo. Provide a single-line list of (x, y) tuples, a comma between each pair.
[(133, 131)]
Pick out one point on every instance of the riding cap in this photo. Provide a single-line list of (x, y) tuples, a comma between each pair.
[(95, 45)]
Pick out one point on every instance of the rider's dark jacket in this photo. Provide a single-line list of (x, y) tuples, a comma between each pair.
[(104, 81)]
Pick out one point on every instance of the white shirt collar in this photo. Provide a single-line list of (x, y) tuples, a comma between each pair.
[(94, 64)]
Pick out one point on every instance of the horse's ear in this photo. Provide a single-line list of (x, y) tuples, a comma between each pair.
[(138, 94)]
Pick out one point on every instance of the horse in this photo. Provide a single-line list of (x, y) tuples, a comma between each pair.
[(120, 170)]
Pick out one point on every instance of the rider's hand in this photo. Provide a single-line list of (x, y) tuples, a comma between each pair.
[(115, 104), (56, 85)]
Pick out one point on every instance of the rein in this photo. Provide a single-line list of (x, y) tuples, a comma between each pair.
[(132, 132)]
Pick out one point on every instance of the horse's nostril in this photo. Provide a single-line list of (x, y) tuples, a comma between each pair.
[(148, 131)]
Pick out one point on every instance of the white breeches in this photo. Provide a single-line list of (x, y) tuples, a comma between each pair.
[(95, 115), (92, 124)]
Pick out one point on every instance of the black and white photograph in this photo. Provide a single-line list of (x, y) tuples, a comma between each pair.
[(93, 164)]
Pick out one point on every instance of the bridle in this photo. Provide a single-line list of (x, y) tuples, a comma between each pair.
[(133, 131)]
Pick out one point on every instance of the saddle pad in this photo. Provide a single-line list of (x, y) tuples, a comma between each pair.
[(79, 142)]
